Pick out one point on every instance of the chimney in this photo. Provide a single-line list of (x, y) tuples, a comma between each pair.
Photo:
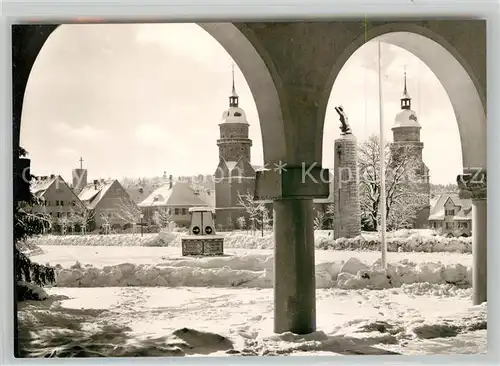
[(52, 176), (96, 182), (170, 181)]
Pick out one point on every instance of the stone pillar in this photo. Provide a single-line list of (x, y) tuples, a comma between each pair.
[(292, 192), (479, 251), (294, 267), (347, 215), (473, 186)]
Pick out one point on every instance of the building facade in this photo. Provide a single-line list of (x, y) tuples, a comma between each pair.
[(175, 199), (56, 198), (452, 216), (110, 204)]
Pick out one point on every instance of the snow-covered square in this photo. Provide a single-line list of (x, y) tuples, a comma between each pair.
[(149, 300)]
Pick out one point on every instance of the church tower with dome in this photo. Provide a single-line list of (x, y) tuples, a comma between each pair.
[(234, 175), (406, 139)]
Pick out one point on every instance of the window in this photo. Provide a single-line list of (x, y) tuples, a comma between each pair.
[(449, 212), (58, 214), (184, 211), (237, 114), (176, 211), (449, 225)]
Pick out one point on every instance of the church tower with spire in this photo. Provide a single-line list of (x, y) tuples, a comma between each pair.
[(79, 177), (234, 175), (406, 142)]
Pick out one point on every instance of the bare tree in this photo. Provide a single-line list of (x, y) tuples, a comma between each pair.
[(82, 217), (319, 220), (162, 218), (241, 222), (403, 196), (106, 218), (87, 217), (129, 212), (63, 222), (330, 213), (257, 211), (74, 216), (265, 218)]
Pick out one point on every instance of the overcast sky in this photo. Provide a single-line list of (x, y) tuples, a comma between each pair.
[(136, 100)]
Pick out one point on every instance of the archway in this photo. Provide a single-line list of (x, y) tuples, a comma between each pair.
[(258, 76), (467, 93)]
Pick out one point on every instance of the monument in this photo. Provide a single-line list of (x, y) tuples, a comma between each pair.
[(347, 212), (202, 239)]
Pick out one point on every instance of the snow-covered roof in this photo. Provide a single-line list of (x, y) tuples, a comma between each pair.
[(139, 192), (180, 194), (406, 118), (93, 192), (39, 185), (464, 212), (234, 115)]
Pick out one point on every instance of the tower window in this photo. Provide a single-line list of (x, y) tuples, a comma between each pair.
[(237, 114)]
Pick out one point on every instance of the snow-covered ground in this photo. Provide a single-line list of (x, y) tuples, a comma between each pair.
[(115, 299), (127, 321)]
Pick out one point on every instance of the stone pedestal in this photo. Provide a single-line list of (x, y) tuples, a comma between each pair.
[(347, 215), (473, 186)]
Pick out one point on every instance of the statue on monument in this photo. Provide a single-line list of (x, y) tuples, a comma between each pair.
[(344, 124)]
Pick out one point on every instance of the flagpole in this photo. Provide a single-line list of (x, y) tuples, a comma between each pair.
[(383, 243)]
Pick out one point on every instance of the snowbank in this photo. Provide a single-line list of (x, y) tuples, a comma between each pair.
[(256, 271), (399, 241)]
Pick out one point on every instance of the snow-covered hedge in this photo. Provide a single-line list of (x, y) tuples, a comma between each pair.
[(415, 242), (257, 271), (124, 240), (402, 241)]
